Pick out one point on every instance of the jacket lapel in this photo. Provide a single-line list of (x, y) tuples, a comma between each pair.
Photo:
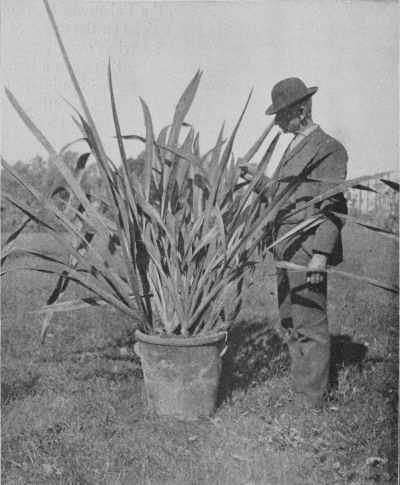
[(299, 157)]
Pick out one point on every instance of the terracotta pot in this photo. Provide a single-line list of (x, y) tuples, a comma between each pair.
[(181, 374)]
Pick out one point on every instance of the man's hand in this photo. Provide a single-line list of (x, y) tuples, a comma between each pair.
[(248, 170), (317, 263)]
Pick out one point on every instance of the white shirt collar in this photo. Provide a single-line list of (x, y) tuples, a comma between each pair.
[(307, 131)]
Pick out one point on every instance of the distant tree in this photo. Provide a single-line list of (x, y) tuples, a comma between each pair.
[(136, 165)]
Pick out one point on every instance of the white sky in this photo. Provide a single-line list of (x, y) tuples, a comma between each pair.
[(347, 48)]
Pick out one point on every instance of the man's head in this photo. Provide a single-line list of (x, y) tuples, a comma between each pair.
[(291, 103), (295, 117)]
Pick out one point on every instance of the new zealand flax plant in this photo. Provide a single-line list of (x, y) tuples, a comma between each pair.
[(185, 232)]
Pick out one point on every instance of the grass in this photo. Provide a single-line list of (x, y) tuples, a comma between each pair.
[(72, 410)]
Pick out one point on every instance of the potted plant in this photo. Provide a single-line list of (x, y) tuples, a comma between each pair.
[(186, 232)]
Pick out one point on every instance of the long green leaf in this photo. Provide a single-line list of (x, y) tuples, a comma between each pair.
[(381, 284), (89, 126), (72, 73), (367, 225), (133, 216), (86, 283), (222, 165), (29, 123), (92, 258), (257, 176), (150, 155), (180, 153), (391, 184), (181, 110), (254, 149), (339, 188), (303, 226)]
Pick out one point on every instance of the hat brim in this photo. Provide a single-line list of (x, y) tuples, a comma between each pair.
[(272, 110)]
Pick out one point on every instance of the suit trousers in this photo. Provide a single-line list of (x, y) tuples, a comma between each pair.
[(304, 320)]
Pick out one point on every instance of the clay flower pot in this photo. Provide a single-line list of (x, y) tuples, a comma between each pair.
[(181, 374)]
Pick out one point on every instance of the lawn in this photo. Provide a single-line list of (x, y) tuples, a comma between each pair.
[(72, 410)]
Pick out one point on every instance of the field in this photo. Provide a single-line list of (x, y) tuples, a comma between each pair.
[(72, 410)]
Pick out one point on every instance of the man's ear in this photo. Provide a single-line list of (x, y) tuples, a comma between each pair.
[(302, 113)]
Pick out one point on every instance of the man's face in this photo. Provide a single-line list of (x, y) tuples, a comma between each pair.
[(288, 119)]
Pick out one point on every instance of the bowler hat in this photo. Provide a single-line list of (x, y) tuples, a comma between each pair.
[(287, 92)]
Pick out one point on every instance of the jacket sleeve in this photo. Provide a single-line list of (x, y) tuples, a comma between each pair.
[(334, 167)]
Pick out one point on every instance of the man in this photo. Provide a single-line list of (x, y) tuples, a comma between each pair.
[(302, 297)]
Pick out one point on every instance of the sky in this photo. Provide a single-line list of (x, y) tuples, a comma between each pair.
[(349, 49)]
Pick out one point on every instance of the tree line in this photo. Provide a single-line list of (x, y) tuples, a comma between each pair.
[(41, 175)]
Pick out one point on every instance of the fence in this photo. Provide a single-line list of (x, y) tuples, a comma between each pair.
[(379, 204)]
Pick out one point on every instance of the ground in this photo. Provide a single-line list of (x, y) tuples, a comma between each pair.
[(72, 410)]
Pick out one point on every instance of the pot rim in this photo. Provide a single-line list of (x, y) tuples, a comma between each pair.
[(177, 341)]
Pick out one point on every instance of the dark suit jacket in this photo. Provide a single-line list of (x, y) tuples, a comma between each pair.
[(322, 157)]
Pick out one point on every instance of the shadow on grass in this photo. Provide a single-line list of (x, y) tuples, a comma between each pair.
[(18, 389), (255, 353), (344, 352)]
